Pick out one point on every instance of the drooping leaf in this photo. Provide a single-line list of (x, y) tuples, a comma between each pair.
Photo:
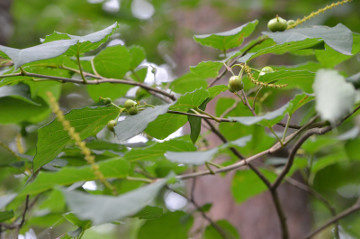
[(334, 96), (113, 62), (52, 138), (19, 91), (339, 37), (135, 124), (229, 39), (102, 209), (172, 225), (112, 168), (36, 53)]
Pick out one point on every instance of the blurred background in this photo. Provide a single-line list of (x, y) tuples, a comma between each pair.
[(165, 29)]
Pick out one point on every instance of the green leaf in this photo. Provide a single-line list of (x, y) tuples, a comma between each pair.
[(229, 230), (135, 124), (19, 91), (195, 127), (339, 37), (190, 100), (71, 217), (150, 212), (6, 215), (352, 149), (269, 118), (355, 80), (137, 54), (191, 158), (83, 43), (172, 225), (246, 184), (196, 78), (112, 168), (52, 138), (331, 58), (156, 151), (102, 209), (113, 62), (334, 96), (36, 53), (229, 39), (6, 199), (279, 49), (165, 124), (112, 91)]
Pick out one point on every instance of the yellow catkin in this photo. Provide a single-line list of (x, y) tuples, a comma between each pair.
[(19, 145), (256, 82), (313, 14), (90, 159)]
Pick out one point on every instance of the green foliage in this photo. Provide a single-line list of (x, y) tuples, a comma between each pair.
[(128, 178)]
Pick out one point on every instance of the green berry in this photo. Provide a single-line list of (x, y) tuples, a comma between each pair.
[(111, 124), (266, 69), (277, 24), (106, 100), (133, 110), (129, 104), (290, 22), (235, 84)]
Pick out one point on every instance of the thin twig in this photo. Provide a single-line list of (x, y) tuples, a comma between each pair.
[(23, 216)]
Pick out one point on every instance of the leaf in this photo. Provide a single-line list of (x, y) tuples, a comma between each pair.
[(280, 49), (135, 124), (191, 158), (270, 118), (36, 53), (112, 168), (150, 212), (156, 151), (137, 54), (84, 43), (246, 184), (52, 138), (196, 78), (334, 96), (190, 100), (102, 209), (6, 199), (200, 157), (71, 217), (355, 80), (229, 230), (172, 225), (165, 124), (6, 215), (331, 58), (19, 91), (113, 62), (195, 127), (113, 91), (229, 39), (339, 37)]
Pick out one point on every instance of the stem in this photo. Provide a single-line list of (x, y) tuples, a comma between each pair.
[(280, 212), (286, 127), (276, 136), (211, 116), (80, 67)]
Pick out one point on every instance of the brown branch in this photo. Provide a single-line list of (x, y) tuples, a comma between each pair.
[(23, 216), (341, 215)]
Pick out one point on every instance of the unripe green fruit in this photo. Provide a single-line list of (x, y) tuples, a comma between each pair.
[(277, 24), (235, 84), (111, 124), (266, 69), (290, 22), (133, 110), (129, 104), (106, 100)]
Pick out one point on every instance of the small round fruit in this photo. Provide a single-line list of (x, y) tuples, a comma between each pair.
[(111, 124), (290, 22), (277, 24), (129, 104), (133, 110), (106, 100), (266, 69), (235, 84)]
